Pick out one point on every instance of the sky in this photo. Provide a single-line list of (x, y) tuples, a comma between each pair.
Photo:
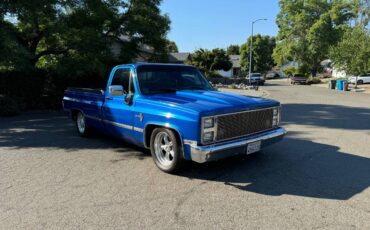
[(218, 23)]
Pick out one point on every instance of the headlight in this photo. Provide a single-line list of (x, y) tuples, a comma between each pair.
[(208, 136), (275, 116), (208, 123), (209, 129)]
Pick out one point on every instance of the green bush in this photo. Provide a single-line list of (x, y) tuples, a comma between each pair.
[(212, 74), (303, 69), (291, 70), (232, 86), (8, 106), (313, 80)]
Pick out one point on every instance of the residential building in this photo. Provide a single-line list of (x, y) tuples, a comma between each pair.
[(179, 58), (235, 69), (144, 54)]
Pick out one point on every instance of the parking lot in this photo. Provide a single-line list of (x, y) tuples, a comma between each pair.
[(317, 177)]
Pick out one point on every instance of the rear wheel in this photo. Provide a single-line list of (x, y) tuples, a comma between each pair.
[(81, 126), (360, 82), (166, 150)]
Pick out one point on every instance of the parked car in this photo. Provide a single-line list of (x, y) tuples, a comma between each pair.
[(256, 79), (174, 111), (272, 74), (360, 79), (298, 79)]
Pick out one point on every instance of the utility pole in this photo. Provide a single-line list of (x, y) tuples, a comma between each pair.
[(251, 50)]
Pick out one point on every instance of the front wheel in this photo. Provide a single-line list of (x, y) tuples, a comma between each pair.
[(166, 150)]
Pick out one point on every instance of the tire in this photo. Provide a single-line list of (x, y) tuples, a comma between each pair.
[(166, 150), (81, 125), (360, 82)]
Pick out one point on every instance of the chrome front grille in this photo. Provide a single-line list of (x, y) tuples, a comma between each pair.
[(244, 123)]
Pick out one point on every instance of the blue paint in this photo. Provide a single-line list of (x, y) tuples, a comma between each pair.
[(181, 110)]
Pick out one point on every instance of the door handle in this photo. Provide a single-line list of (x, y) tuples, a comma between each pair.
[(109, 98)]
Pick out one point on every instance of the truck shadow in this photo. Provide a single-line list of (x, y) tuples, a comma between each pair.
[(296, 167)]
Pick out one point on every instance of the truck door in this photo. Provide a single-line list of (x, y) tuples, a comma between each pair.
[(117, 114)]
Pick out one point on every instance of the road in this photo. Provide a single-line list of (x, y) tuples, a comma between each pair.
[(318, 177)]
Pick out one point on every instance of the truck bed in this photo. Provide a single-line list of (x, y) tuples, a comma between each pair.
[(86, 100)]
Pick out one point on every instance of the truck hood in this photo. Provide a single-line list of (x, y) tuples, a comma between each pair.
[(210, 102)]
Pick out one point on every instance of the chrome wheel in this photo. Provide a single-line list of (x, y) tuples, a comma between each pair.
[(81, 125), (163, 148)]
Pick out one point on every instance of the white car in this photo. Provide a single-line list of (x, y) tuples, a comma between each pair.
[(256, 78), (360, 79)]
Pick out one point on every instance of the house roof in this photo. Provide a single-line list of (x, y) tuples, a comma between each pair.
[(178, 57), (235, 59)]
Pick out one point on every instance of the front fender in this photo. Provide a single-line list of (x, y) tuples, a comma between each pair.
[(181, 130)]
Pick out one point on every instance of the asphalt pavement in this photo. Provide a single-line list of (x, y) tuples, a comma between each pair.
[(318, 177)]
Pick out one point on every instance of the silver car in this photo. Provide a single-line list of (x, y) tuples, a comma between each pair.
[(362, 79)]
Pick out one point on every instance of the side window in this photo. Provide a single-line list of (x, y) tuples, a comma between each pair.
[(122, 77)]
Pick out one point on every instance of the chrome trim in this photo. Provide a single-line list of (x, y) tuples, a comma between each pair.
[(77, 100), (190, 142), (93, 117), (116, 90), (137, 129), (203, 154), (245, 111), (121, 125), (118, 124)]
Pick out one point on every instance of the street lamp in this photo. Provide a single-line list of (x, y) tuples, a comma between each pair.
[(251, 50)]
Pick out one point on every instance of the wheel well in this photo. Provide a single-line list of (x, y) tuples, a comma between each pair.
[(149, 130), (74, 113)]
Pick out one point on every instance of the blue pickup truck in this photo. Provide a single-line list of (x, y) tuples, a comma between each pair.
[(174, 111)]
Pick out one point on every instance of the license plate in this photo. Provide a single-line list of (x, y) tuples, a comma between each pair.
[(254, 147)]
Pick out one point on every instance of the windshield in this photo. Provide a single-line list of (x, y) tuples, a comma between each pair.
[(166, 78)]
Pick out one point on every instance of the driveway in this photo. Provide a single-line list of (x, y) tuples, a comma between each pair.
[(317, 177)]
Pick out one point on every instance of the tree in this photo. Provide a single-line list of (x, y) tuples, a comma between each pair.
[(308, 28), (352, 54), (262, 53), (232, 50), (172, 47), (59, 34), (362, 10), (208, 61)]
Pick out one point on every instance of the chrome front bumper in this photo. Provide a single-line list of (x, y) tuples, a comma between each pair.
[(217, 151)]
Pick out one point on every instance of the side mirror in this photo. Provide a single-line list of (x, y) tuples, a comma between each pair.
[(116, 90)]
